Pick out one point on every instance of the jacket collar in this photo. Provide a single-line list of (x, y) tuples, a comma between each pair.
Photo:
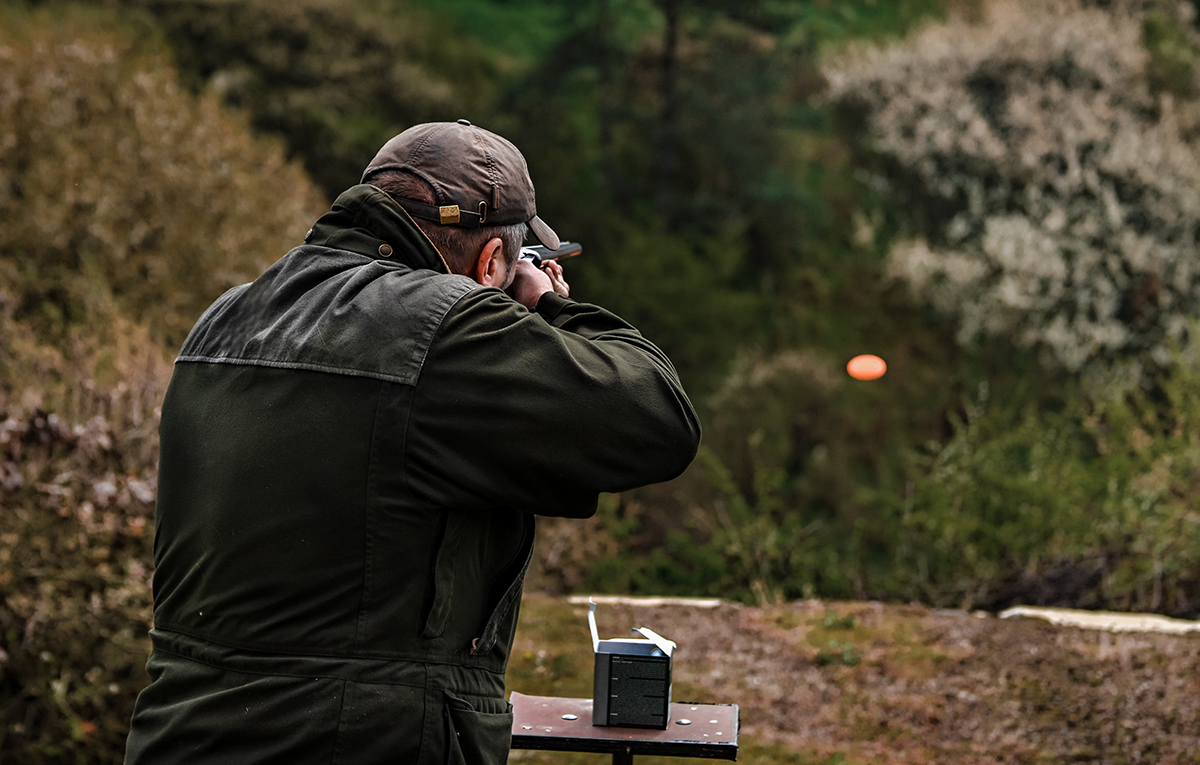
[(367, 221)]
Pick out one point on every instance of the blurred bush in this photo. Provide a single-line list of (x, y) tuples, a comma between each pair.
[(1054, 198), (75, 569), (78, 466), (1090, 506), (334, 80), (121, 191), (1044, 155), (1048, 169), (1171, 40), (1086, 501), (127, 205)]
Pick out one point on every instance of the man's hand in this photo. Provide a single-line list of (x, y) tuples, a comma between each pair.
[(530, 283), (555, 272)]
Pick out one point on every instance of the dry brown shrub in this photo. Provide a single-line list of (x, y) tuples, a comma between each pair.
[(76, 532), (126, 205), (118, 187)]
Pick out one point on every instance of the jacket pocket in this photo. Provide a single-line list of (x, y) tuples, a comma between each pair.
[(491, 630), (444, 569), (478, 732)]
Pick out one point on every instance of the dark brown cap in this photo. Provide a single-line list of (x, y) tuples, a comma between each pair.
[(477, 177)]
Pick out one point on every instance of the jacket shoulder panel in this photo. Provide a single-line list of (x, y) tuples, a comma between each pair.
[(332, 311)]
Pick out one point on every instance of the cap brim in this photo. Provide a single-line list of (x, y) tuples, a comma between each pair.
[(544, 233)]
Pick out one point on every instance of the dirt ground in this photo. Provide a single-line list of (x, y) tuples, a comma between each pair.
[(824, 683)]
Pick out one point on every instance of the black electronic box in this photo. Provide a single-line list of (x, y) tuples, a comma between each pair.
[(632, 686)]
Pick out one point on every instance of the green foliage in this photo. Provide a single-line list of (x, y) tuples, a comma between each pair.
[(1084, 499), (706, 316), (831, 23), (1021, 495), (838, 653), (999, 495), (335, 80), (699, 196), (712, 198), (517, 32), (750, 546), (118, 189), (1173, 53), (1089, 505), (835, 622)]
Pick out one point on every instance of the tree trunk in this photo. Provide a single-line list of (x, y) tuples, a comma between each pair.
[(667, 148), (608, 157)]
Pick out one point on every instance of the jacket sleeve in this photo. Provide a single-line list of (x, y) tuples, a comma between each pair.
[(541, 411)]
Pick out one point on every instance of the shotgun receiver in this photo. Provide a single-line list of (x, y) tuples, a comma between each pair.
[(539, 254)]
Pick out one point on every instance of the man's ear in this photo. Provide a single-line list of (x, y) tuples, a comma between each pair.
[(489, 269)]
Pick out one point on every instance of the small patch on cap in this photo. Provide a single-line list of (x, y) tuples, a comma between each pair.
[(464, 122), (308, 235), (385, 251)]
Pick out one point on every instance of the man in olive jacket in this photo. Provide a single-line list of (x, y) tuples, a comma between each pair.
[(354, 447)]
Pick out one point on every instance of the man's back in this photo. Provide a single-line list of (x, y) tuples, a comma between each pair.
[(350, 467)]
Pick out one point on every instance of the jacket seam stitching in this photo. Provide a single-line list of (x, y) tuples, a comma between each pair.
[(329, 369), (433, 336), (369, 518), (426, 738), (337, 735), (425, 505)]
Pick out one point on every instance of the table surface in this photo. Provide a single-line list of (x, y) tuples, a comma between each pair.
[(710, 730)]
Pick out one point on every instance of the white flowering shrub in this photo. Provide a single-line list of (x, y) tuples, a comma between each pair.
[(1055, 197)]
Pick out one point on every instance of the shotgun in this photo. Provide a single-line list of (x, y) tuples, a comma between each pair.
[(539, 254)]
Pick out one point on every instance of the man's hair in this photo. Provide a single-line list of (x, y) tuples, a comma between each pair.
[(458, 245)]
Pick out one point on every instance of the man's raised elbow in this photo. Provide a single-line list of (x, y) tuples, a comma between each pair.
[(679, 450)]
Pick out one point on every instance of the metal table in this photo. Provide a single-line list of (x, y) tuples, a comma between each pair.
[(565, 725)]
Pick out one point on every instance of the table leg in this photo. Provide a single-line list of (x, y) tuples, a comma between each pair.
[(623, 758)]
